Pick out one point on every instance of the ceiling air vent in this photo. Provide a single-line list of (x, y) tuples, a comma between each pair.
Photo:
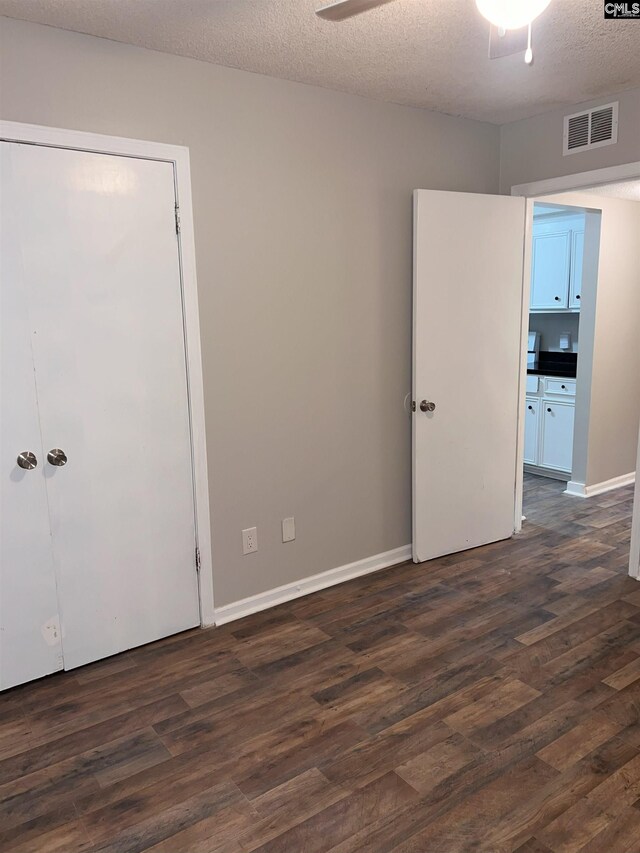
[(591, 129)]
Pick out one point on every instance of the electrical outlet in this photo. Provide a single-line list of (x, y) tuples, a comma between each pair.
[(288, 529), (249, 540)]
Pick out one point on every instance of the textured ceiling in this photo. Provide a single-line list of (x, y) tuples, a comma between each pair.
[(624, 189), (426, 53)]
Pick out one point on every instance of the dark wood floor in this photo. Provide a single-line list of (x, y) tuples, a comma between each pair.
[(488, 701)]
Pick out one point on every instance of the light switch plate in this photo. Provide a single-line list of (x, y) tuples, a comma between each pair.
[(288, 529)]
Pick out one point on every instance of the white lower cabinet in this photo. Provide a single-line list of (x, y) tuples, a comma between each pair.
[(531, 430), (556, 444), (548, 425)]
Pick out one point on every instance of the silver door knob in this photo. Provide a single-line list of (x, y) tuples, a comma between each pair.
[(27, 460), (57, 457), (426, 406)]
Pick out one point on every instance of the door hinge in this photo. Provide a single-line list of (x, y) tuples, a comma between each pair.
[(197, 559), (177, 212)]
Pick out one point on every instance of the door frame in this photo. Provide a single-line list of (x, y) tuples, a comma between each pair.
[(178, 156), (579, 181)]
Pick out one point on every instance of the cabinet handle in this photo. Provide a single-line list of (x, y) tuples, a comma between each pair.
[(549, 410), (557, 298), (564, 387), (577, 296), (530, 408)]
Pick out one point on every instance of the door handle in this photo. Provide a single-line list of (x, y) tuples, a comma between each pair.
[(426, 406), (57, 457), (27, 460)]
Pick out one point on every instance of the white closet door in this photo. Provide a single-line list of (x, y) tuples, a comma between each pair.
[(102, 271), (29, 630)]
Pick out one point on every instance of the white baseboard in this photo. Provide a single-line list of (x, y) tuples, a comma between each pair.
[(314, 583), (575, 489), (550, 473), (579, 490)]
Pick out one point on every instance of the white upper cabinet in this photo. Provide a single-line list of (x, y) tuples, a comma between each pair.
[(556, 263), (577, 251), (550, 270)]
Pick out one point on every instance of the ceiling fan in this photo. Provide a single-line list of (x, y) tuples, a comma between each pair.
[(341, 9), (504, 15)]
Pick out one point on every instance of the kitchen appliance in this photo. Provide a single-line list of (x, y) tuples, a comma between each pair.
[(533, 350)]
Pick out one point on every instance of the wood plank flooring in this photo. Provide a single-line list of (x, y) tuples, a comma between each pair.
[(482, 703)]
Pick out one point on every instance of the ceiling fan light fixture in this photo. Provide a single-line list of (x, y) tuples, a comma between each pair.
[(511, 14)]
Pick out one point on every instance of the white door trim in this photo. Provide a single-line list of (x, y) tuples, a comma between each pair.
[(178, 155), (634, 555), (582, 181), (524, 344)]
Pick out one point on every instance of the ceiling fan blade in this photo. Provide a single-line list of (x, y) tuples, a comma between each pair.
[(342, 9)]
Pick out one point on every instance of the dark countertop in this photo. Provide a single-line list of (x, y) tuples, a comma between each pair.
[(562, 373), (562, 364)]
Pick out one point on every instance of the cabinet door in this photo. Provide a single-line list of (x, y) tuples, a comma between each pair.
[(557, 435), (577, 251), (531, 430), (550, 270)]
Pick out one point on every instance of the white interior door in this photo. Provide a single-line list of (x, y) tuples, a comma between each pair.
[(29, 630), (101, 267), (468, 280)]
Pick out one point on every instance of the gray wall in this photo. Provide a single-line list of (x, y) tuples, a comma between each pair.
[(531, 149), (612, 327), (302, 203)]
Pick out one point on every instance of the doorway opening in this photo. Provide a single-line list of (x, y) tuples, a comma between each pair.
[(565, 243), (468, 431), (583, 443)]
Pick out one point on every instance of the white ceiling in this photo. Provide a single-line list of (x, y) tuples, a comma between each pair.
[(426, 53), (623, 189)]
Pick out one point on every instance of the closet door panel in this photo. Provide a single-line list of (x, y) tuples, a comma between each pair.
[(30, 645), (104, 280)]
